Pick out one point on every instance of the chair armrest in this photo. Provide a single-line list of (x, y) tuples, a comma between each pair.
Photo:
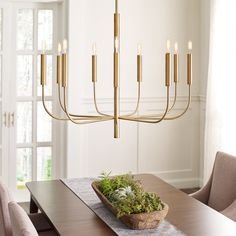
[(230, 211), (203, 194)]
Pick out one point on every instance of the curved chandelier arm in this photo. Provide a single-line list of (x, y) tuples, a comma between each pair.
[(95, 102), (175, 98), (156, 116), (63, 108), (185, 110), (46, 109), (75, 121), (138, 119), (172, 117)]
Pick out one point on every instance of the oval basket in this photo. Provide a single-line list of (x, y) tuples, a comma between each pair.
[(135, 221)]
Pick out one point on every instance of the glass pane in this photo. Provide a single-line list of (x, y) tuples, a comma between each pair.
[(23, 166), (48, 87), (44, 123), (44, 163), (45, 29), (25, 29), (24, 75), (0, 29), (24, 122)]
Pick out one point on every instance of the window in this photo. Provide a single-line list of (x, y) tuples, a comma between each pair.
[(31, 138)]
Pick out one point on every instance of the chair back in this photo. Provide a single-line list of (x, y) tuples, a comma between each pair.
[(223, 187), (5, 222), (21, 223)]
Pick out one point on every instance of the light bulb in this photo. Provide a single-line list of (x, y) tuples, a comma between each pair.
[(44, 46), (139, 49), (176, 47), (94, 49), (65, 45), (59, 48), (168, 45), (190, 45)]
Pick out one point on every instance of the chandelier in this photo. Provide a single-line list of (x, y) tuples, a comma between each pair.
[(62, 83)]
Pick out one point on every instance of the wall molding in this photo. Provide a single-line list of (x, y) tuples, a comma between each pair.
[(148, 100), (184, 183)]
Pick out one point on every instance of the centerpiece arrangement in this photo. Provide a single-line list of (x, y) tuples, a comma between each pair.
[(125, 197)]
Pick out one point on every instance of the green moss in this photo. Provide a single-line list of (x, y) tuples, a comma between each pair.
[(127, 195)]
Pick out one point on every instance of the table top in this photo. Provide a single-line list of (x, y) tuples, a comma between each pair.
[(71, 217)]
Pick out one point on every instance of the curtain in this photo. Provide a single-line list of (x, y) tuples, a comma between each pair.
[(220, 123)]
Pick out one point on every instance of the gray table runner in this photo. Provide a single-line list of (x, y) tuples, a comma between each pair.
[(82, 188)]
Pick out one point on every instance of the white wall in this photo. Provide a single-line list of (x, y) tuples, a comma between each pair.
[(170, 149), (204, 50)]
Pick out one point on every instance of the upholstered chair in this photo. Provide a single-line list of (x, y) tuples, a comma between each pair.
[(21, 223), (39, 221), (5, 223), (220, 191)]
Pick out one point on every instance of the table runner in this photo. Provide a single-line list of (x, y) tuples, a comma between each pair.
[(82, 188)]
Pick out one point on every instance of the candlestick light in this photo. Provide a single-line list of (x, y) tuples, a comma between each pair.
[(62, 83)]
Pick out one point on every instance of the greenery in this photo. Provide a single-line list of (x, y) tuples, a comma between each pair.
[(127, 195)]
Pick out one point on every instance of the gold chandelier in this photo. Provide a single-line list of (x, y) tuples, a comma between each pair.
[(116, 116)]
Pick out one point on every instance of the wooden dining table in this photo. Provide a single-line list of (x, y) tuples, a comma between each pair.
[(71, 217)]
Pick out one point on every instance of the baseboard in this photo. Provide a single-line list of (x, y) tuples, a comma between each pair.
[(184, 183)]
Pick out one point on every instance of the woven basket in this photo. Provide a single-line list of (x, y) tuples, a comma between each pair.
[(135, 221)]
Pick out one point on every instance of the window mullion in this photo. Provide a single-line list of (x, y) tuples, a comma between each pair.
[(35, 50)]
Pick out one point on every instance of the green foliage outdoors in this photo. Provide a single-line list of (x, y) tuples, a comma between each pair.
[(127, 195)]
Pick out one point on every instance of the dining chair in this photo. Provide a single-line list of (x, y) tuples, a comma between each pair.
[(220, 191), (38, 219), (21, 223)]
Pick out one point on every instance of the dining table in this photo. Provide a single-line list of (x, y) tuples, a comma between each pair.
[(70, 216)]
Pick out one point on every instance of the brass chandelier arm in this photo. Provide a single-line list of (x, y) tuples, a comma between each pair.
[(154, 116), (145, 120), (185, 110), (75, 120), (63, 108), (172, 117), (46, 109), (95, 103), (175, 98)]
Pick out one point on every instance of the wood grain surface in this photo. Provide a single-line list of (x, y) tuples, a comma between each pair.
[(71, 217)]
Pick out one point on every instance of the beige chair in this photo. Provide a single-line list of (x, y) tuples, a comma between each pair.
[(220, 191), (21, 223), (38, 219)]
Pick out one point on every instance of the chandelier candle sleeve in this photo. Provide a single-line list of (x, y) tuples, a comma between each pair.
[(59, 65), (139, 64), (43, 69), (168, 69), (64, 70), (176, 63), (94, 65), (189, 64)]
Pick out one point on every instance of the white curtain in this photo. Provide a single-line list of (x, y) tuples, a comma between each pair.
[(220, 126)]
